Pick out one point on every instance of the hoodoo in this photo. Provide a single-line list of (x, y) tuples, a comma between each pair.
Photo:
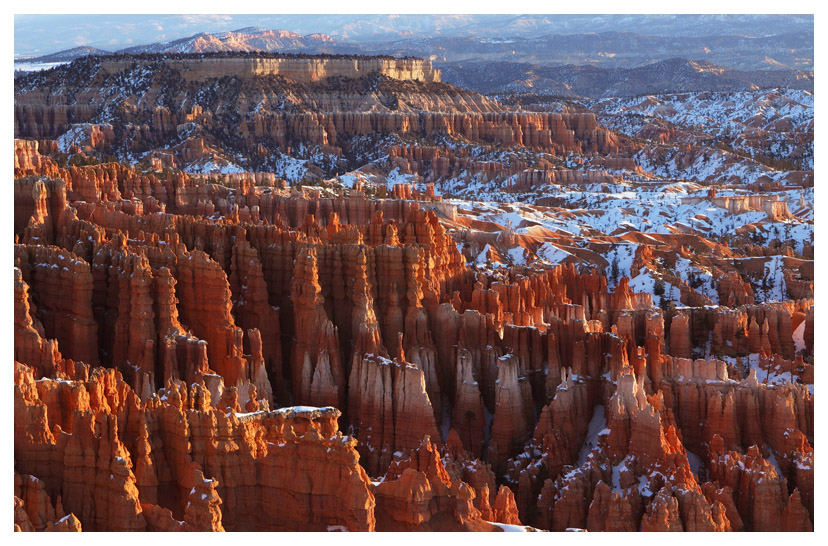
[(260, 291)]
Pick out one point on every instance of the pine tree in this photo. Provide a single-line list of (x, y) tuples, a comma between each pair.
[(658, 287)]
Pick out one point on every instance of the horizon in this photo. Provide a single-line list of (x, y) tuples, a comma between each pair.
[(38, 35)]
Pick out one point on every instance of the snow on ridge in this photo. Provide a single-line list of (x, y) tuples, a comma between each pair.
[(36, 67), (213, 167), (552, 253)]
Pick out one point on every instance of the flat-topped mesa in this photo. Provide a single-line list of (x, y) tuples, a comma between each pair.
[(305, 69)]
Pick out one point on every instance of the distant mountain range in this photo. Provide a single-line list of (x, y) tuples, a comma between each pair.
[(246, 39), (40, 34), (65, 56), (677, 75), (587, 65), (614, 49), (605, 49)]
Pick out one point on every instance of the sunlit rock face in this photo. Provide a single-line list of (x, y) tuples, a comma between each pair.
[(319, 299)]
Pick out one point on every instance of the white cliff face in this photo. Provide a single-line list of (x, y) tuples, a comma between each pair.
[(304, 70)]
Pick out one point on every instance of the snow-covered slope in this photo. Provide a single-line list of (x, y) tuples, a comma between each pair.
[(775, 124)]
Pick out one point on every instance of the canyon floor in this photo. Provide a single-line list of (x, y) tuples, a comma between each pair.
[(333, 293)]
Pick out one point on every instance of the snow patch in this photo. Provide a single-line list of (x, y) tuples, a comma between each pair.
[(510, 528), (597, 426), (552, 254), (799, 337)]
